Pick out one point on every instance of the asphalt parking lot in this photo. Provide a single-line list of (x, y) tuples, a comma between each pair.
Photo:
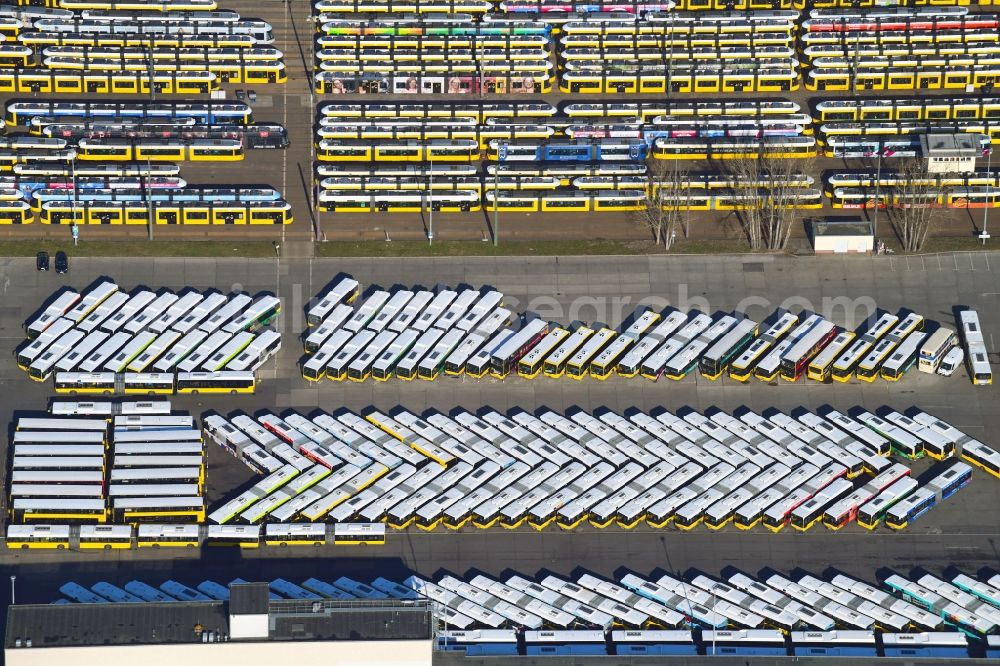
[(963, 532)]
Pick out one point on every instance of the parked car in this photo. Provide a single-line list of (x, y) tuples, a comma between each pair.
[(951, 361), (252, 96), (240, 95), (42, 261), (62, 262)]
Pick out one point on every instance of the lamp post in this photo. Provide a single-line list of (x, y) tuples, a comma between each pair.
[(430, 201), (12, 579), (496, 202), (72, 175), (277, 268), (149, 201), (983, 235)]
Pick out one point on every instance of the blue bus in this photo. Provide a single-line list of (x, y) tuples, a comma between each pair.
[(214, 590), (653, 642), (950, 481), (940, 644), (324, 589), (183, 592), (565, 643), (480, 642), (835, 643), (80, 594), (114, 593), (290, 590), (146, 592), (908, 509), (744, 642)]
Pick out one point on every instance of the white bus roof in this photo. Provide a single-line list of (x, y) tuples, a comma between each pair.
[(205, 307), (341, 291), (235, 304), (409, 313), (202, 351), (480, 309), (255, 310), (182, 306), (97, 425), (154, 309), (514, 343), (34, 350), (722, 346), (56, 309), (103, 311), (92, 299), (153, 351), (80, 350), (136, 302)]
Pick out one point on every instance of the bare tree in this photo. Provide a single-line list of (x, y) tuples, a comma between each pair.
[(765, 190), (664, 209), (911, 201)]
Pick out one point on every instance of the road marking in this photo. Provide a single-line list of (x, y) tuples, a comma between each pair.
[(955, 258), (940, 267)]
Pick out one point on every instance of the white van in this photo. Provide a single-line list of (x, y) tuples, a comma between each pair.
[(951, 361)]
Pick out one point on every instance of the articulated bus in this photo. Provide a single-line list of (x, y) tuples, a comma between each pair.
[(982, 456), (950, 481), (975, 356)]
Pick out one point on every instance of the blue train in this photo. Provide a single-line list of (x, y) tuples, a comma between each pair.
[(682, 642)]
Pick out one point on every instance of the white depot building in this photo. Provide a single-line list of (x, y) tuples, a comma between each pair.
[(248, 630)]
